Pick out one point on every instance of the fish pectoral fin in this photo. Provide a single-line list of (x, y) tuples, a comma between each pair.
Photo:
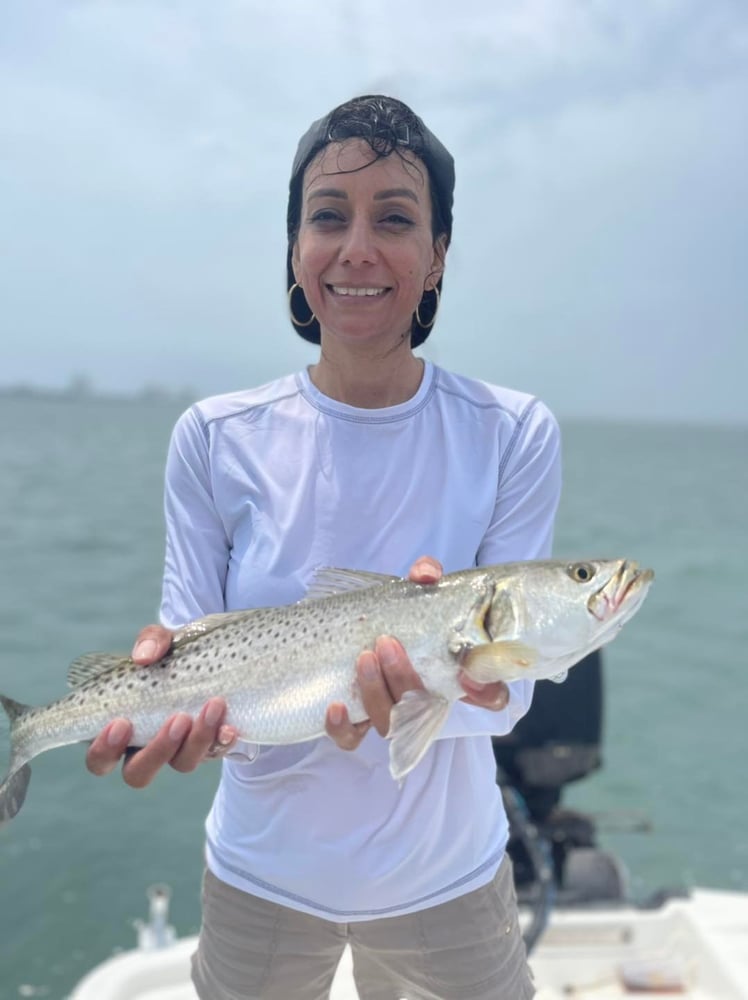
[(415, 722), (498, 661), (90, 665), (329, 581)]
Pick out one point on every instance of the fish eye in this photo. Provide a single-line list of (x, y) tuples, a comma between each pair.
[(581, 572)]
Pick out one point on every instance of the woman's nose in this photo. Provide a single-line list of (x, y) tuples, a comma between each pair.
[(359, 244)]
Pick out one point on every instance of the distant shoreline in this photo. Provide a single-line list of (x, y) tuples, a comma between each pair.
[(80, 392)]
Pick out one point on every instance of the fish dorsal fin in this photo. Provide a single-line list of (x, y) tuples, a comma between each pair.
[(201, 626), (90, 665), (329, 581)]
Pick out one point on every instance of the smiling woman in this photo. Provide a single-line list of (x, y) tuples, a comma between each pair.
[(367, 459), (364, 257), (384, 130)]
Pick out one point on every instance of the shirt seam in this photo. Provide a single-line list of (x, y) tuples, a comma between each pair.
[(331, 411), (206, 421), (494, 404), (521, 420), (419, 902)]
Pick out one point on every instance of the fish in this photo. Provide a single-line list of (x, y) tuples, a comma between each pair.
[(280, 667)]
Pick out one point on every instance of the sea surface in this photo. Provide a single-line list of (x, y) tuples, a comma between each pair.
[(80, 555)]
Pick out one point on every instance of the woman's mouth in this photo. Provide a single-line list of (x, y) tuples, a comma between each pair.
[(357, 291)]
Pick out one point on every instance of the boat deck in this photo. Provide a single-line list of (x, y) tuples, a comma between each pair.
[(695, 948)]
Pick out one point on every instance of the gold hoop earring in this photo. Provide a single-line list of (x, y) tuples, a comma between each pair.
[(298, 322), (427, 326)]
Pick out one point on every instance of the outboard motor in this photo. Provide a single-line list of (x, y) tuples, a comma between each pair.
[(556, 743)]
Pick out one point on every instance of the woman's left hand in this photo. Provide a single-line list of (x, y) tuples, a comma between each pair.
[(385, 674)]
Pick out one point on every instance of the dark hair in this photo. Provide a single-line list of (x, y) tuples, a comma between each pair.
[(388, 126)]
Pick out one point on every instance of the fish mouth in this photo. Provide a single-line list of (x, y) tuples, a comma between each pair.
[(622, 594)]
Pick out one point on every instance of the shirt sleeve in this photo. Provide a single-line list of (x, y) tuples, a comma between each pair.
[(527, 497), (197, 547)]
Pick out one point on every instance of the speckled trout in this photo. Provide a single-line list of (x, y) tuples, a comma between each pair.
[(279, 668)]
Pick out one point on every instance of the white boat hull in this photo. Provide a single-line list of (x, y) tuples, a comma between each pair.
[(696, 947)]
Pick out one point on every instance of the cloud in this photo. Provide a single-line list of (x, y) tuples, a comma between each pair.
[(601, 201)]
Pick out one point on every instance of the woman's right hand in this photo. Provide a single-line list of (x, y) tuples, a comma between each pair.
[(182, 742)]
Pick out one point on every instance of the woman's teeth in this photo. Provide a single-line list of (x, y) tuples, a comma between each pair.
[(359, 292)]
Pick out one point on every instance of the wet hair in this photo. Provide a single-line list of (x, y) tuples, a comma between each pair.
[(388, 126)]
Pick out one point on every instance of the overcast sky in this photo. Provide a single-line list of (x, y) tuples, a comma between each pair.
[(600, 253)]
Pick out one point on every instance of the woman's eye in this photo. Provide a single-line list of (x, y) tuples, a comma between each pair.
[(326, 215), (395, 219)]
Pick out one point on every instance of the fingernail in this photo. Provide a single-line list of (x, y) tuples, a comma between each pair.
[(369, 666), (225, 736), (501, 700), (118, 731), (425, 569), (387, 651), (144, 650), (335, 715), (213, 713), (179, 728)]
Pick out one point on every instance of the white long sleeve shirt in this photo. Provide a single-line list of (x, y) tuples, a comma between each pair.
[(264, 487)]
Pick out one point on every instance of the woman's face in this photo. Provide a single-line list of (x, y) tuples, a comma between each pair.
[(365, 252)]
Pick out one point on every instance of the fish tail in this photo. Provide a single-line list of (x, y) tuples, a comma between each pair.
[(16, 782)]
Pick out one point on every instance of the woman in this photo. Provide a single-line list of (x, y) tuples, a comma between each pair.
[(365, 460)]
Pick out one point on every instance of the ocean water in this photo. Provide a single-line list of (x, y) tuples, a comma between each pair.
[(80, 558)]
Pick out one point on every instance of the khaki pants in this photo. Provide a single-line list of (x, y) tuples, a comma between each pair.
[(467, 949)]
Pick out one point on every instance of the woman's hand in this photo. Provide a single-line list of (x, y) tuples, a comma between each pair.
[(385, 674), (182, 742)]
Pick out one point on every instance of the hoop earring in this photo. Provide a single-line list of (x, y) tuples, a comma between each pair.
[(427, 326), (298, 322)]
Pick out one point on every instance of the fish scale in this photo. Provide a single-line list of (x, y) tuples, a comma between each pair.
[(280, 668)]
